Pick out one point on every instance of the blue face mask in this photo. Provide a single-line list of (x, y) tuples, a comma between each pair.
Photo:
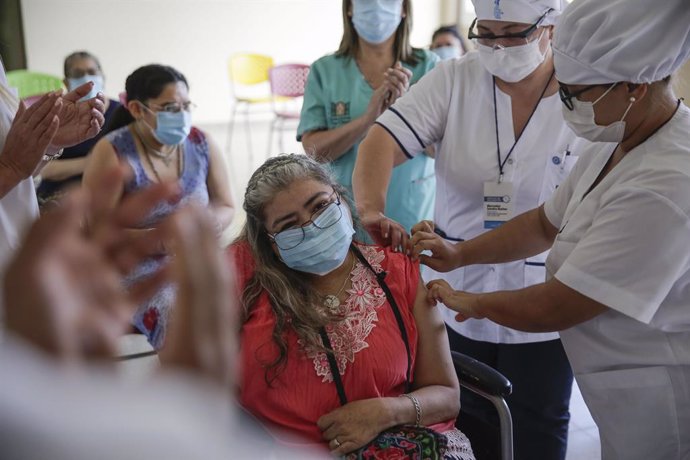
[(74, 83), (447, 52), (172, 128), (321, 250), (376, 20)]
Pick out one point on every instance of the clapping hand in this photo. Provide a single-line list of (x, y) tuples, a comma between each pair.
[(79, 120)]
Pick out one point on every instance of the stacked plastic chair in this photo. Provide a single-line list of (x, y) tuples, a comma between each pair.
[(247, 72), (287, 86)]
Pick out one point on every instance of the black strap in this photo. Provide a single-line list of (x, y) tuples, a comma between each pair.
[(501, 164), (334, 367), (380, 278)]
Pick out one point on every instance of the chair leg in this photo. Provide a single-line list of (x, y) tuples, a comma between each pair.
[(248, 132), (231, 128), (281, 132), (271, 130)]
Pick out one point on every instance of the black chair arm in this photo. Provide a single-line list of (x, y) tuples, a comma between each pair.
[(479, 375)]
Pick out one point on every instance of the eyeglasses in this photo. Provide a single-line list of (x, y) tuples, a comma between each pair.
[(326, 215), (173, 107), (567, 96), (515, 39)]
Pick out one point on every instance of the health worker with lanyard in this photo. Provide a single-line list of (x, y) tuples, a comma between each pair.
[(503, 149), (618, 229), (346, 92)]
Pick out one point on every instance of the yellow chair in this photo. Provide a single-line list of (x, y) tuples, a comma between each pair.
[(249, 85), (32, 83)]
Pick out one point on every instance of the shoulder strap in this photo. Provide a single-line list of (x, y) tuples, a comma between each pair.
[(380, 277), (334, 366)]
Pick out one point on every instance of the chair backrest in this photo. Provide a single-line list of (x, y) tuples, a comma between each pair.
[(32, 83), (249, 69), (288, 80)]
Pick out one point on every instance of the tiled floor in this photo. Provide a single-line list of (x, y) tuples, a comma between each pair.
[(583, 439)]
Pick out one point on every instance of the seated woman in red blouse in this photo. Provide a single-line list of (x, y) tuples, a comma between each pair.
[(307, 287)]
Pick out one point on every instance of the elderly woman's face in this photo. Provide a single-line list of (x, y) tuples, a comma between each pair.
[(295, 206)]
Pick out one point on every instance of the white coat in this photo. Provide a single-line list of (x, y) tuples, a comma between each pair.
[(626, 244)]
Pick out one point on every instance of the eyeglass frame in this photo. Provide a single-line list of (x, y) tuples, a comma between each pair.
[(523, 34), (187, 107), (337, 202), (567, 97)]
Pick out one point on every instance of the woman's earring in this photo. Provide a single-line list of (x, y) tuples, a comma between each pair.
[(632, 99)]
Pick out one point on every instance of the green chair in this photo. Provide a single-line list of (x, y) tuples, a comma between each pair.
[(32, 83)]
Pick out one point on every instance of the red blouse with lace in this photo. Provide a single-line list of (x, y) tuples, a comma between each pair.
[(369, 348)]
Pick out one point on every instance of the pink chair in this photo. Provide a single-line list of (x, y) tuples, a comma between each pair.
[(287, 88)]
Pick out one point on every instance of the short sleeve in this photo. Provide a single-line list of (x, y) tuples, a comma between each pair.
[(418, 118), (313, 115), (633, 253), (555, 206)]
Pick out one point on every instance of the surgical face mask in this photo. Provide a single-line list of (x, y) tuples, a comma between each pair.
[(376, 20), (321, 246), (447, 52), (74, 83), (513, 63), (172, 128), (581, 121)]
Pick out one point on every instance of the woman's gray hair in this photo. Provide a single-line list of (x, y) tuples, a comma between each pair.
[(292, 298)]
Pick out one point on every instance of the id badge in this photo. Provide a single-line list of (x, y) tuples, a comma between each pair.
[(498, 203)]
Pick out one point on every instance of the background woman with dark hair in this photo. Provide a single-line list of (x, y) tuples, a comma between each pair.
[(153, 135), (347, 90)]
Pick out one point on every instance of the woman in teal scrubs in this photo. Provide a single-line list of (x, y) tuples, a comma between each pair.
[(346, 92)]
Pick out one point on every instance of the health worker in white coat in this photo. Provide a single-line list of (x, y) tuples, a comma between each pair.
[(503, 148), (618, 283)]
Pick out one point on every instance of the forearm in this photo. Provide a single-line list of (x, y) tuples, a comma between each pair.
[(437, 404), (544, 307), (63, 169), (224, 215), (523, 236), (373, 171), (328, 145), (9, 178)]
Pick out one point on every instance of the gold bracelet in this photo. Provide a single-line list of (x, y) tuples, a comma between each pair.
[(417, 407)]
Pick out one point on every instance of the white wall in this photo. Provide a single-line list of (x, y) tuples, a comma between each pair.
[(195, 36)]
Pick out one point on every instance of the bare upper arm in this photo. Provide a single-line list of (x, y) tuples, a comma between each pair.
[(434, 365), (380, 141), (100, 161), (217, 181), (550, 232)]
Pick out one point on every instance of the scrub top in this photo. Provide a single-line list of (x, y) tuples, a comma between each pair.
[(337, 93), (626, 244), (454, 107), (19, 207)]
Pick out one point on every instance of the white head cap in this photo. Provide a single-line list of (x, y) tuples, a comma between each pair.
[(525, 11), (606, 41)]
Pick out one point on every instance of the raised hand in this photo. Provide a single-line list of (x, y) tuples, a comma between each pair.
[(202, 331), (397, 79), (79, 120), (32, 130)]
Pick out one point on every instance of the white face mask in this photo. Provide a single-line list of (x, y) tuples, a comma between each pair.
[(581, 121), (513, 63)]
